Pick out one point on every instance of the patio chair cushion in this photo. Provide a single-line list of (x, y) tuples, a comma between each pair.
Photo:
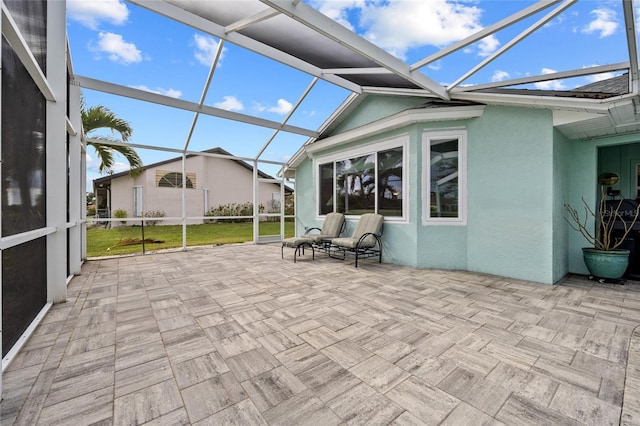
[(369, 223), (298, 243), (295, 242), (331, 228)]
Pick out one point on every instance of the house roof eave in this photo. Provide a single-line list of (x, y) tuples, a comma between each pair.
[(401, 119)]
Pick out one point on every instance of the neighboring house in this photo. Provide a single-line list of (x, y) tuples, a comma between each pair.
[(211, 181), (477, 186)]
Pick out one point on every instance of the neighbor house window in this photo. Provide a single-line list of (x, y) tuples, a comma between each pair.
[(137, 201), (174, 179), (444, 177), (364, 182)]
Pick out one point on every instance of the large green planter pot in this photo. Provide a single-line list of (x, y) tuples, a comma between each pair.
[(606, 264)]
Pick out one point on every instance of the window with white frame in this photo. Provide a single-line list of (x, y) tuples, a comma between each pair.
[(166, 179), (368, 180), (205, 201), (444, 177), (137, 201)]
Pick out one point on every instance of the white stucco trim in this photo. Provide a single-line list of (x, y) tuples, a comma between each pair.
[(395, 121)]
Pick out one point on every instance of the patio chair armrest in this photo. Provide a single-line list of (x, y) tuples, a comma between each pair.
[(312, 229), (364, 236)]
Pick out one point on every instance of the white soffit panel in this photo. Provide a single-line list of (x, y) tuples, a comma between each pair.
[(561, 117)]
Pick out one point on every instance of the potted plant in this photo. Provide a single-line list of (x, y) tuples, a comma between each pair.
[(604, 259)]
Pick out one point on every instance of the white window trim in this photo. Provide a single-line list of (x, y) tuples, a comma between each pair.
[(367, 149), (427, 137)]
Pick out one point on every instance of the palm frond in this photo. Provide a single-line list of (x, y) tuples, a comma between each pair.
[(101, 117), (132, 157), (105, 154)]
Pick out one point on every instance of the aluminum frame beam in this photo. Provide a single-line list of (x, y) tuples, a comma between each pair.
[(289, 114), (250, 20), (205, 90), (22, 50), (545, 77), (180, 15), (491, 29), (326, 26), (180, 151), (142, 95), (514, 41), (632, 43)]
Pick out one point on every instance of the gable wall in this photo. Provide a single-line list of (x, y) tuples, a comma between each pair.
[(227, 182), (375, 107)]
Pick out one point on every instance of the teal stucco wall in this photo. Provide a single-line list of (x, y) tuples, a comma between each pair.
[(511, 196), (561, 175), (376, 107), (510, 170)]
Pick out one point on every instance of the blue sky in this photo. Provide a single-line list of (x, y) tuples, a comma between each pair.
[(122, 43)]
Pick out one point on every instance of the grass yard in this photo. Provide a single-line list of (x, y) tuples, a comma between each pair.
[(127, 240)]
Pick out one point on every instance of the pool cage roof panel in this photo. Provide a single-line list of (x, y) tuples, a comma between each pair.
[(293, 33)]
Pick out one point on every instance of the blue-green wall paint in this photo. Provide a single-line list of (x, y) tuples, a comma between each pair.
[(510, 186), (561, 175), (517, 183), (375, 107)]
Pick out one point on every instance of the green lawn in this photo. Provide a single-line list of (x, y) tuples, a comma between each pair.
[(126, 240)]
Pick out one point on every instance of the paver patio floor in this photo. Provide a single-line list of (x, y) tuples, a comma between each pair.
[(236, 335)]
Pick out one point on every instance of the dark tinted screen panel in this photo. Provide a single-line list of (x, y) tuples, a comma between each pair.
[(24, 288), (31, 18), (23, 148)]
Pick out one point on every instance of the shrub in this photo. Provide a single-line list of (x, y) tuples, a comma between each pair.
[(154, 213), (120, 214), (234, 209)]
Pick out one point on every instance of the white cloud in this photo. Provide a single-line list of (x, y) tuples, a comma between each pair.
[(436, 66), (120, 167), (338, 10), (206, 48), (90, 13), (159, 90), (600, 77), (398, 26), (605, 23), (117, 49), (229, 103), (500, 76), (91, 164), (552, 84), (282, 108), (94, 164), (487, 46)]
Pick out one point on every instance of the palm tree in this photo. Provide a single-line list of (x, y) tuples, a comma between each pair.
[(100, 117)]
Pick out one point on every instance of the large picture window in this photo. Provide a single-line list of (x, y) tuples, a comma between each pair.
[(364, 182), (444, 177)]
